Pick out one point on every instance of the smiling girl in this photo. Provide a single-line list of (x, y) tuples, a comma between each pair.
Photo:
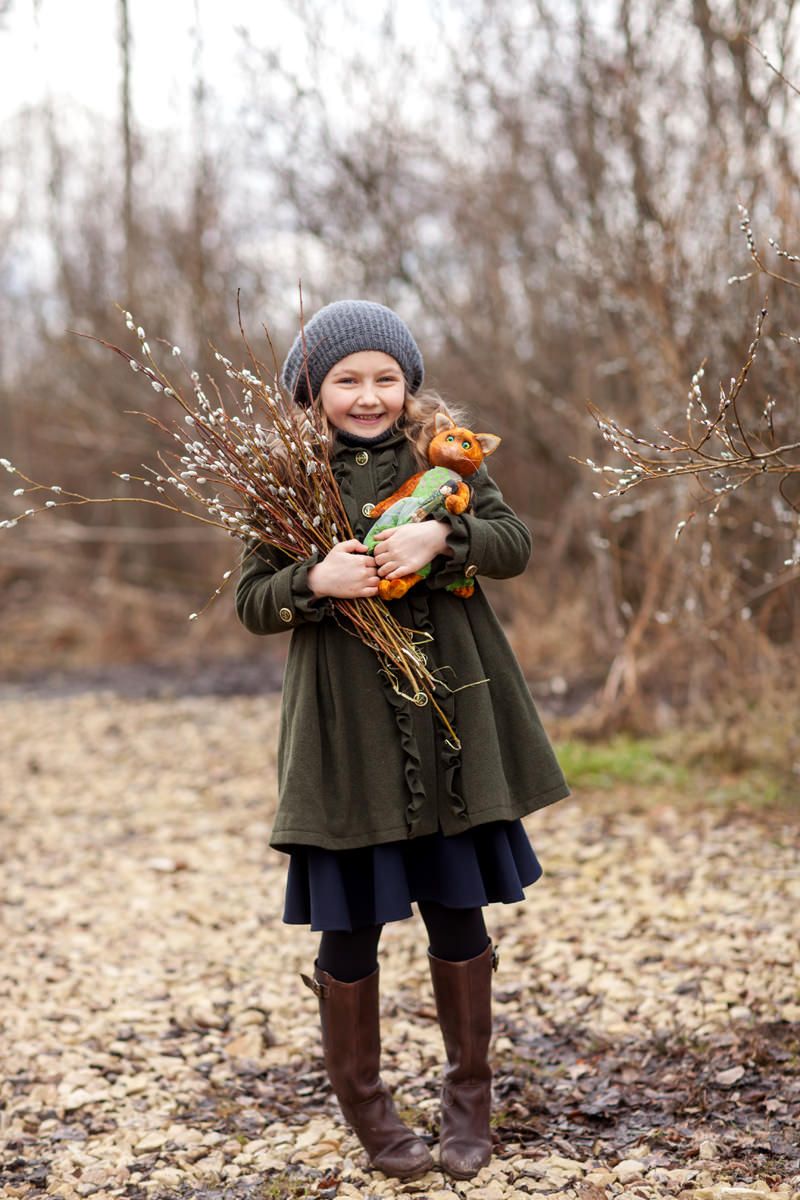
[(378, 809)]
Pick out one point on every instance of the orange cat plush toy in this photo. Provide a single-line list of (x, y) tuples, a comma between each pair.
[(454, 454)]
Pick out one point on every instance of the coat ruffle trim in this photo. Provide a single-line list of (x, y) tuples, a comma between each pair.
[(385, 475), (412, 762), (449, 752)]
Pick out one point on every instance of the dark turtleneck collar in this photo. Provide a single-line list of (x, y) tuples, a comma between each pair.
[(353, 439)]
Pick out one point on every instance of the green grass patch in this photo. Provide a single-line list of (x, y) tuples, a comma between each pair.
[(621, 759), (695, 767)]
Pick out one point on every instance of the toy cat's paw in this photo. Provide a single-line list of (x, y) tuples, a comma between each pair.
[(464, 592), (393, 589), (457, 503)]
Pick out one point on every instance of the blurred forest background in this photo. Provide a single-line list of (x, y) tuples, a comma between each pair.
[(547, 192)]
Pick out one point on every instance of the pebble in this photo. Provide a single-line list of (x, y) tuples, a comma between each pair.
[(600, 1176), (730, 1077), (319, 1150), (553, 1170), (209, 1166), (211, 1138), (151, 1141), (267, 1160), (184, 1135), (672, 1175), (491, 1191), (629, 1169), (192, 1154), (250, 1016), (81, 1097), (132, 1085), (169, 1177)]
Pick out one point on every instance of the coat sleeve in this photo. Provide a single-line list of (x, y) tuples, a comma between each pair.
[(490, 540), (273, 595)]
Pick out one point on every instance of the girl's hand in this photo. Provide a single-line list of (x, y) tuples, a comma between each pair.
[(346, 572), (406, 548)]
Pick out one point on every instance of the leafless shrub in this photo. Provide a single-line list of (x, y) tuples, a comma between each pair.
[(720, 451)]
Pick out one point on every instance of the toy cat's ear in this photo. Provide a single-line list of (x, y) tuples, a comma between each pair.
[(443, 421), (488, 442)]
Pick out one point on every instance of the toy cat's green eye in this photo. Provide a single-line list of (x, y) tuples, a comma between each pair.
[(466, 445), (450, 438)]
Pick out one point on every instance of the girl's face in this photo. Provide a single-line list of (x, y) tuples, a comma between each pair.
[(364, 393)]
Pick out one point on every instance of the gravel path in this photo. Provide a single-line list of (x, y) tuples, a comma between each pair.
[(156, 1040)]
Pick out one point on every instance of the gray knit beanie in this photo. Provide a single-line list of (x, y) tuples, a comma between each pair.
[(343, 328)]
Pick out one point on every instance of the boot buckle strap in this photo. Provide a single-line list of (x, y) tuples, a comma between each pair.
[(319, 989)]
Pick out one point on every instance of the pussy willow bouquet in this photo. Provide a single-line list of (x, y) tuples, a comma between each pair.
[(245, 458)]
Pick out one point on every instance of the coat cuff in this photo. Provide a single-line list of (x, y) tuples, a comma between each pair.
[(294, 600), (461, 541)]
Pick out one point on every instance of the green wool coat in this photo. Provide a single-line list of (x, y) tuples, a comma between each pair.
[(359, 765)]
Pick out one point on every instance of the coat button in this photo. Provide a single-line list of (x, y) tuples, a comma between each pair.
[(471, 571), (362, 458), (367, 508), (285, 614)]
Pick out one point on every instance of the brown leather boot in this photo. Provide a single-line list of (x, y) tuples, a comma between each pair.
[(464, 1003), (351, 1044)]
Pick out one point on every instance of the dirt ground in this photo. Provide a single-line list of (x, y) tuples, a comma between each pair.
[(156, 1039)]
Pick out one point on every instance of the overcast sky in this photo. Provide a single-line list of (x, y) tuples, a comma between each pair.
[(68, 49)]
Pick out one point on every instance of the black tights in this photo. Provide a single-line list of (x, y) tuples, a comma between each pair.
[(454, 934)]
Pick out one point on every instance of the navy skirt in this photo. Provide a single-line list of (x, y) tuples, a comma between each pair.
[(349, 889)]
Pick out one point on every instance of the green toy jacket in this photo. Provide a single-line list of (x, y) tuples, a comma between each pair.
[(359, 765)]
